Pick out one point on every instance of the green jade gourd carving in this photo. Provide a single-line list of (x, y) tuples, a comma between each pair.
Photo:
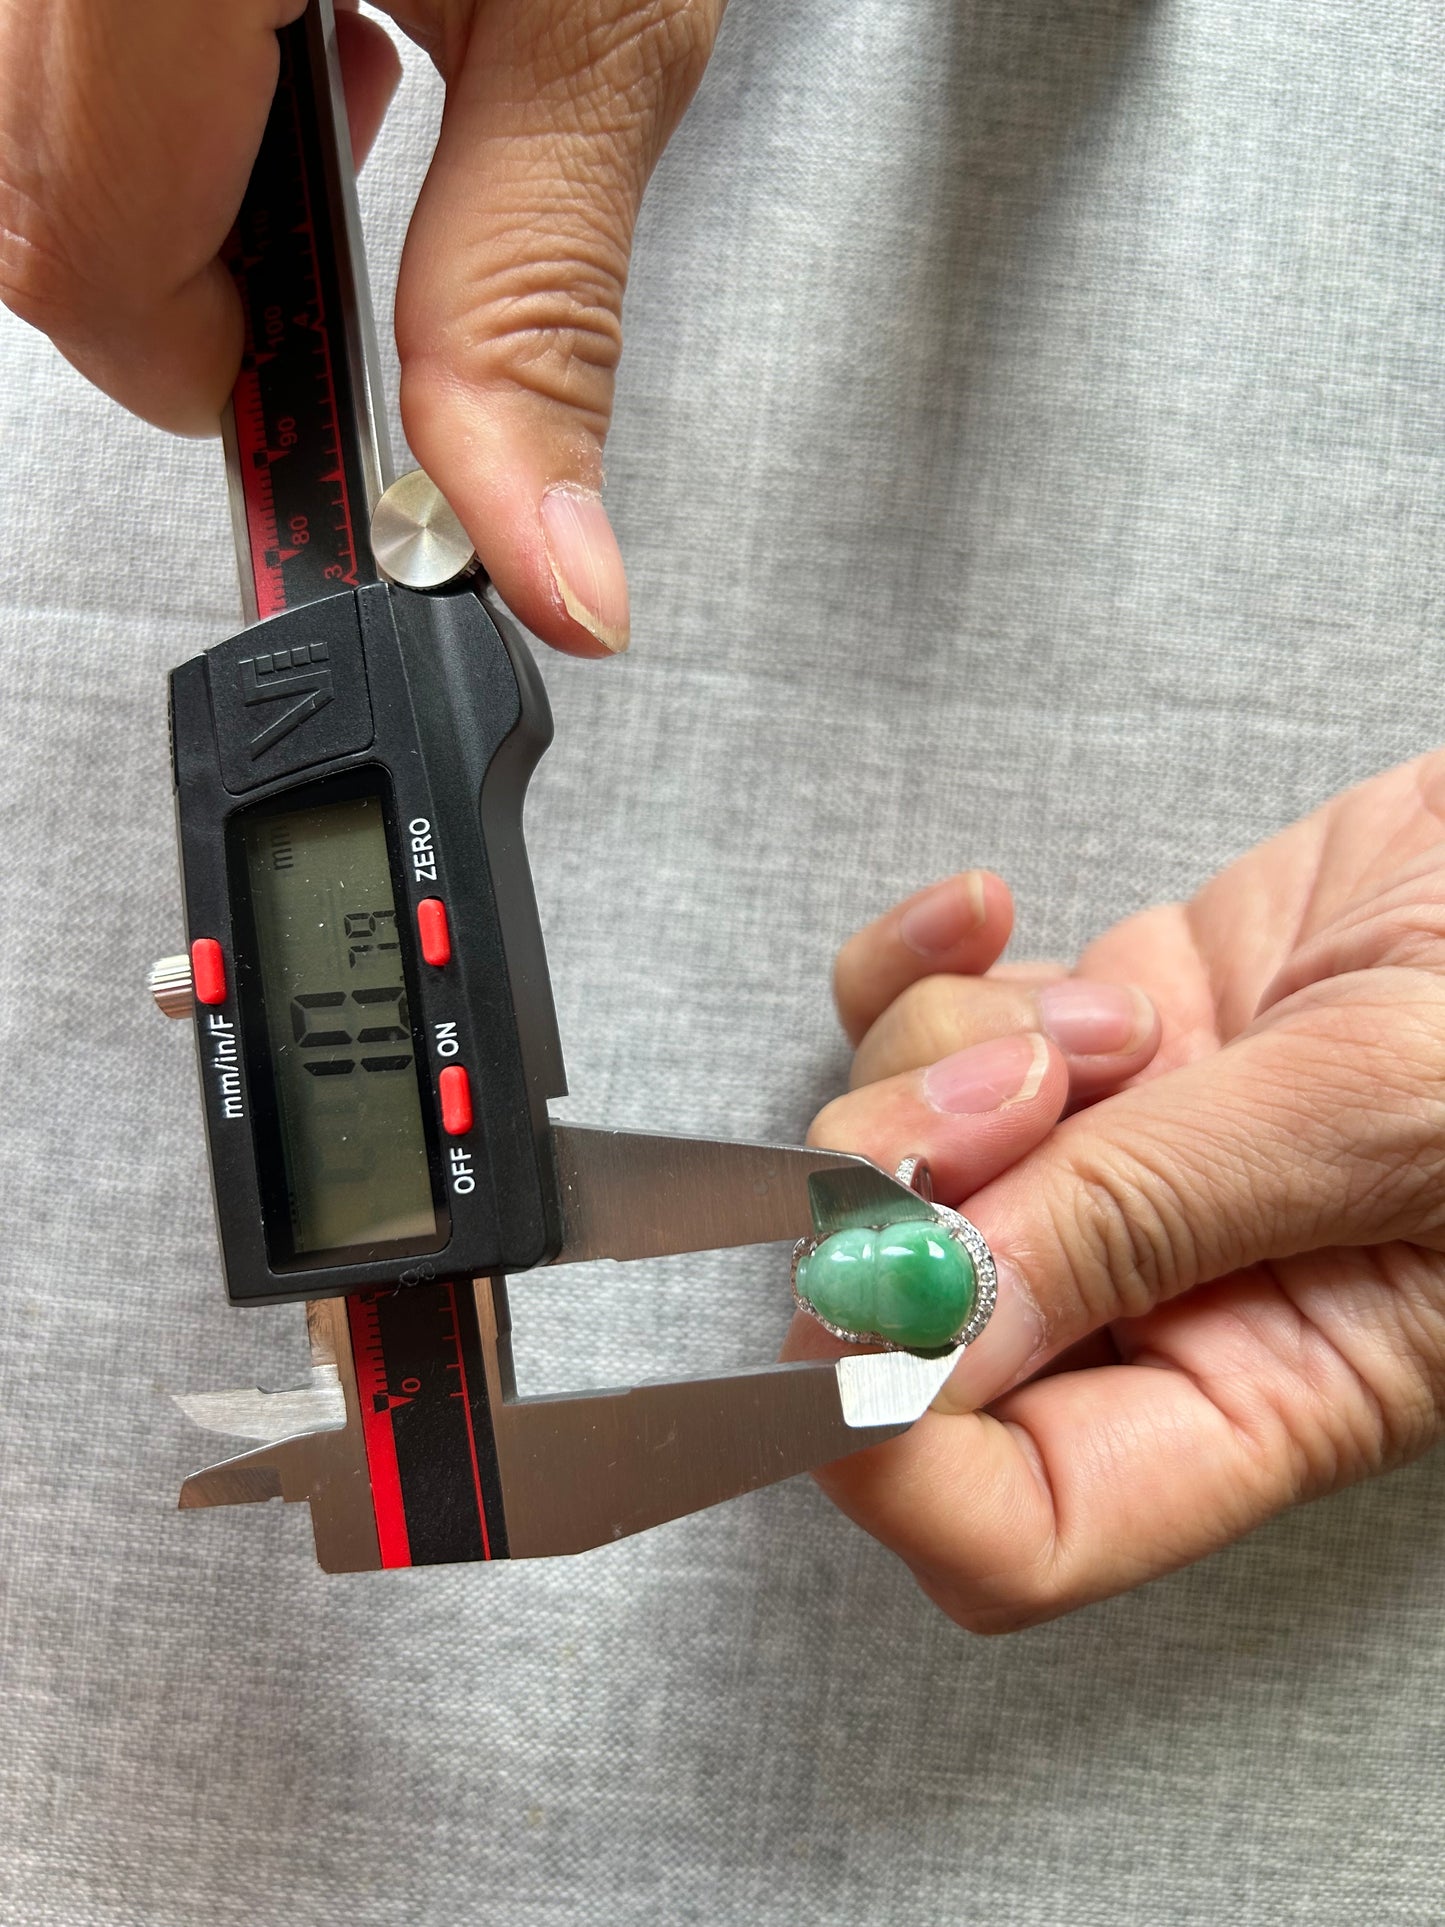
[(909, 1284)]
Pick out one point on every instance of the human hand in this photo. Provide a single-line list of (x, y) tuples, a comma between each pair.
[(127, 132), (1221, 1288)]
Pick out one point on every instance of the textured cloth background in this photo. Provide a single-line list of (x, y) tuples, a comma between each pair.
[(1028, 452)]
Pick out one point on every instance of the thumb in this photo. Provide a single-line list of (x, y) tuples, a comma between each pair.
[(1311, 1132), (508, 314)]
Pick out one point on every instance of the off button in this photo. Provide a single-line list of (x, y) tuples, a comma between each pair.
[(455, 1091)]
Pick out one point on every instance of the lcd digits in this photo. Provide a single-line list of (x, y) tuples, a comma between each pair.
[(337, 1026), (317, 1015)]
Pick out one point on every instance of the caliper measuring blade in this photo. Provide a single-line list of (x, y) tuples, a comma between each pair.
[(641, 1194)]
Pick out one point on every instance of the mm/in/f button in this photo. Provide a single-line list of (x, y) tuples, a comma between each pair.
[(208, 971)]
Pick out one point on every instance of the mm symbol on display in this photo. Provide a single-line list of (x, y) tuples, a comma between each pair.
[(303, 675)]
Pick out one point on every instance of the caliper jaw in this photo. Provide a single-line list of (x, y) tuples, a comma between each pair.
[(552, 1475), (323, 1464), (580, 1471)]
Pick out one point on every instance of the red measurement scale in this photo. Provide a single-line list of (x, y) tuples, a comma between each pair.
[(419, 1416), (306, 453), (306, 456)]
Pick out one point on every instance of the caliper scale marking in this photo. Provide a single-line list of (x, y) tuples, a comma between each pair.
[(421, 1381), (300, 477), (301, 480)]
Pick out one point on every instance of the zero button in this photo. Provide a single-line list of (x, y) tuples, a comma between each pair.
[(432, 928)]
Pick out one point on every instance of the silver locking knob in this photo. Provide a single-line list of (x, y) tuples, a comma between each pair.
[(416, 537), (171, 985)]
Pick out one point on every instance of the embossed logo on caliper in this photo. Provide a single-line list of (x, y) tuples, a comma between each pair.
[(301, 676)]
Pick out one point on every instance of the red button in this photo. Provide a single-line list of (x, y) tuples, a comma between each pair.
[(454, 1089), (431, 925), (208, 971)]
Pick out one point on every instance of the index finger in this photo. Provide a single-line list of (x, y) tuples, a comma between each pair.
[(959, 925)]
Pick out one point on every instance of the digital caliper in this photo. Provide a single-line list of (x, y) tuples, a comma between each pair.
[(368, 987)]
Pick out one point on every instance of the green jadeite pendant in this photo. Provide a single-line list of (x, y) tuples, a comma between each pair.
[(910, 1284)]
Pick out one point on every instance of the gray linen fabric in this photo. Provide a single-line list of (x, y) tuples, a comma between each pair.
[(1028, 452)]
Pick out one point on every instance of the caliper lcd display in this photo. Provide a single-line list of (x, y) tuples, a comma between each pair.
[(338, 1032)]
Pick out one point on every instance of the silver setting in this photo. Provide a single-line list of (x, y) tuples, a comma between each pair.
[(914, 1173)]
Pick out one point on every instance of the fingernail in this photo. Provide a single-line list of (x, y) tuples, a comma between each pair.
[(986, 1077), (1095, 1020), (1013, 1343), (587, 563), (944, 915)]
